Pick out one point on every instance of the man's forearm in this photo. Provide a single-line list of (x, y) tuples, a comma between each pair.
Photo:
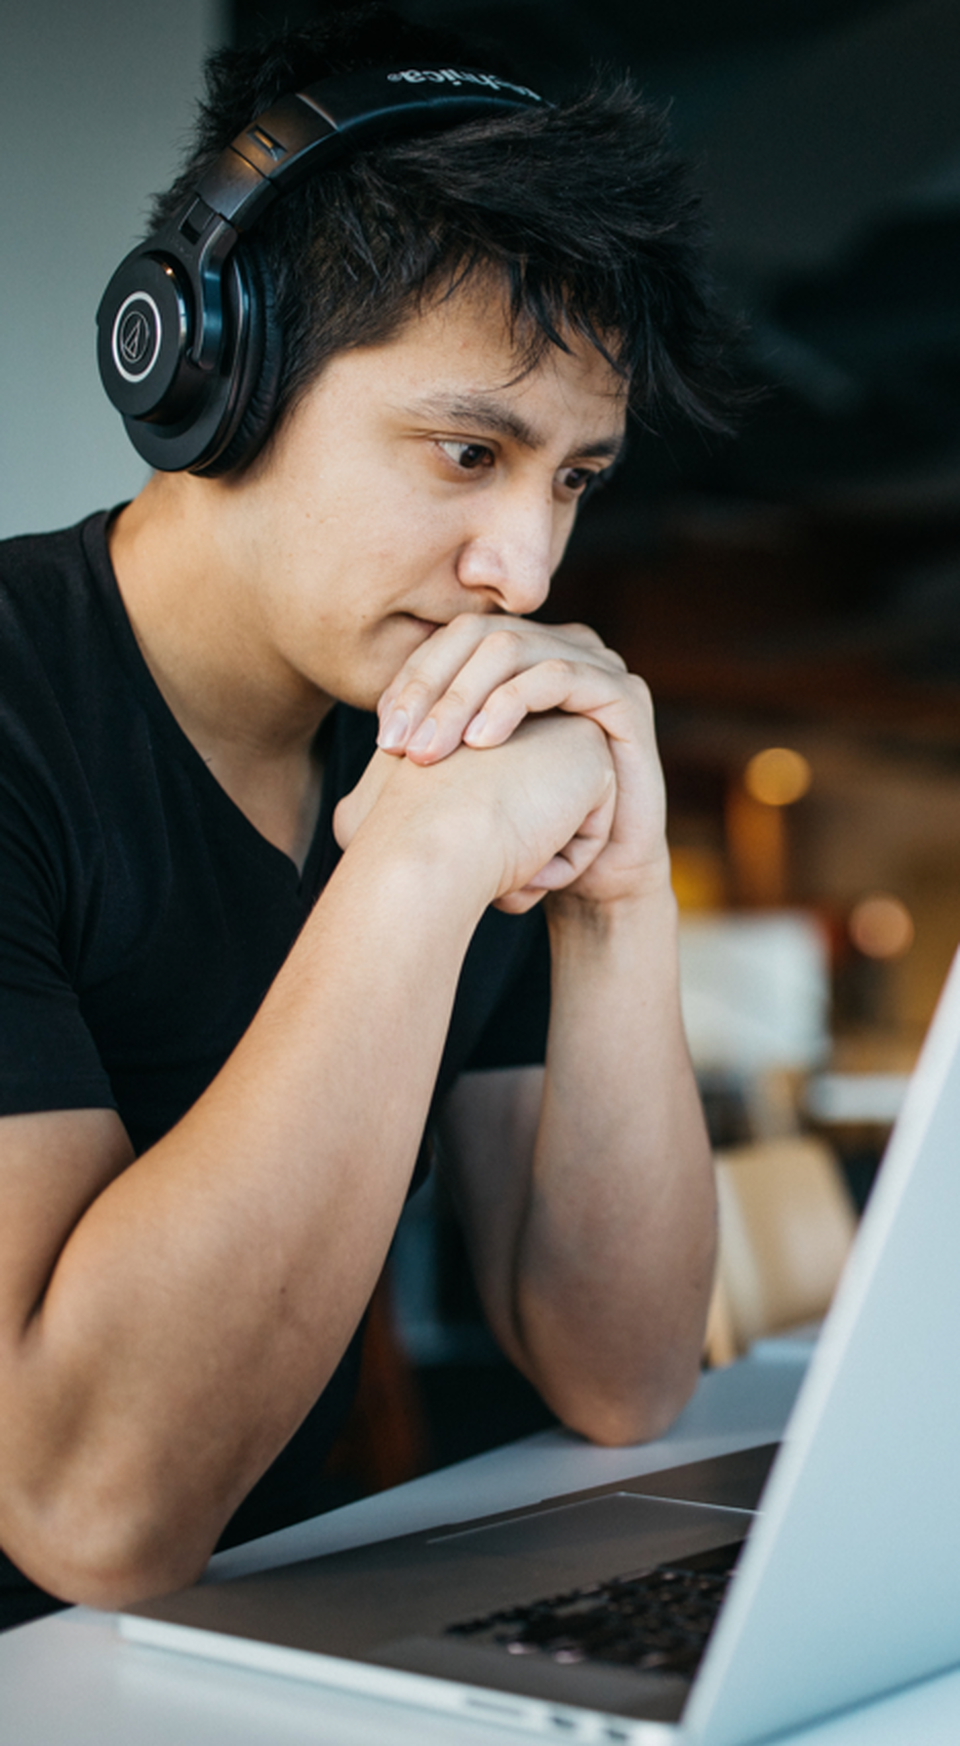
[(185, 1310), (614, 1259), (204, 1299)]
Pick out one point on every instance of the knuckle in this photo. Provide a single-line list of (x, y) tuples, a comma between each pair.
[(507, 696), (505, 643), (454, 700), (586, 637), (592, 643), (558, 669), (466, 623), (418, 688), (640, 691), (584, 633)]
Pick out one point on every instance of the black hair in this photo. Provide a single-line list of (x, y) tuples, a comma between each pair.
[(582, 210)]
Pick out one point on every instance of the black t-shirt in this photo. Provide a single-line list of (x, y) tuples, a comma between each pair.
[(143, 917)]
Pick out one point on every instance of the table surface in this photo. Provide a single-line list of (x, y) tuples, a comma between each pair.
[(72, 1680)]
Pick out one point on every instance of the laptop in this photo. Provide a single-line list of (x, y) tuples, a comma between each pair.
[(843, 1586)]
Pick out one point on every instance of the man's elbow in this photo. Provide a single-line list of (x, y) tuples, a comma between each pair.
[(103, 1559), (619, 1416), (109, 1585)]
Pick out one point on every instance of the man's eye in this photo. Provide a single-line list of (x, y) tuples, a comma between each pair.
[(579, 479), (469, 456)]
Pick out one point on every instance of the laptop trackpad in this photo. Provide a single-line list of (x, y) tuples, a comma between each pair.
[(620, 1532)]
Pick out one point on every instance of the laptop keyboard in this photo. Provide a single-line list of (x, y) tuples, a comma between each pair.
[(658, 1620)]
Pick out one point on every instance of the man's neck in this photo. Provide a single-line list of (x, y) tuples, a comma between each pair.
[(191, 606)]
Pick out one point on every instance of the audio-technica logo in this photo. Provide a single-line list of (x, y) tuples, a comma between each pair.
[(136, 336), (458, 76)]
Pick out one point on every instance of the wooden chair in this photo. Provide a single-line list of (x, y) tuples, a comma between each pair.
[(787, 1221)]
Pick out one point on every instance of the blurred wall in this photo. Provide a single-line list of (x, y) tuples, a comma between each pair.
[(96, 101)]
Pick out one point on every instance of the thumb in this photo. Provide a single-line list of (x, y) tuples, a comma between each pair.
[(351, 811)]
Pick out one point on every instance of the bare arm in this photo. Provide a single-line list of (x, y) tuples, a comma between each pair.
[(586, 1190), (589, 1209), (166, 1323)]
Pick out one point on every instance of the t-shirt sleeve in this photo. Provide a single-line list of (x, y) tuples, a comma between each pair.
[(48, 1059)]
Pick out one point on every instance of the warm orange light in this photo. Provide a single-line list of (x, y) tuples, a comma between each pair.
[(698, 878), (881, 926), (777, 776)]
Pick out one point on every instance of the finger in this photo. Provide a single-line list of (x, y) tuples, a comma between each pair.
[(351, 811), (564, 868), (580, 853), (483, 706), (437, 659), (560, 871), (519, 902), (576, 688), (445, 684), (428, 673), (500, 655)]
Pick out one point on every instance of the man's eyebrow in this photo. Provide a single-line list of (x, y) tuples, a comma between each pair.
[(482, 412)]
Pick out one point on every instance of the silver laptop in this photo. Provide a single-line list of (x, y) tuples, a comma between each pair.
[(590, 1616)]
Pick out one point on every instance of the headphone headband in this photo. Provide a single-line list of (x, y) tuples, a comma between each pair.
[(313, 128), (179, 319)]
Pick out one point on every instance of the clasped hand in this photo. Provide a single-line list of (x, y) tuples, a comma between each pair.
[(473, 684)]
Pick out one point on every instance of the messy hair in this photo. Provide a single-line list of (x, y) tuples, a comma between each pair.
[(582, 210)]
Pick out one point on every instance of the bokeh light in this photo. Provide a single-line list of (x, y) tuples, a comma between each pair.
[(881, 926), (777, 776)]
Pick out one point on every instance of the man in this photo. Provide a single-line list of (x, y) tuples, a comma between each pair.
[(221, 1044)]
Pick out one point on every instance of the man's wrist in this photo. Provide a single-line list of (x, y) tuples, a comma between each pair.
[(649, 900), (446, 846)]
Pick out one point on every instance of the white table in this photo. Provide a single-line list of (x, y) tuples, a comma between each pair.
[(69, 1680)]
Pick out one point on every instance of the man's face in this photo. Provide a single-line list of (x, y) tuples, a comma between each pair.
[(415, 481)]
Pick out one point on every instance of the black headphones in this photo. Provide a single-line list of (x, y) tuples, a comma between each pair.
[(187, 347)]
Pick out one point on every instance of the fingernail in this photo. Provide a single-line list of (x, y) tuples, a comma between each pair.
[(475, 728), (394, 730), (423, 736)]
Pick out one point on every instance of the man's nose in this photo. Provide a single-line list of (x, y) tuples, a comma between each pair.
[(512, 555)]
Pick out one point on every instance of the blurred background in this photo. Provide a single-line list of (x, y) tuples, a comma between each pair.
[(792, 596)]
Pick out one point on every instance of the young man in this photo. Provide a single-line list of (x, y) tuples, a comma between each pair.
[(221, 1043)]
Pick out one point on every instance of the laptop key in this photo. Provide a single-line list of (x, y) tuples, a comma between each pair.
[(657, 1620)]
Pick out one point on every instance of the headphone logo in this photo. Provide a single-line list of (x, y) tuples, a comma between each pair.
[(136, 336), (457, 76)]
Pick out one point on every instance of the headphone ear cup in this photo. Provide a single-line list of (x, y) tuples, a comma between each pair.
[(258, 370), (143, 338)]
